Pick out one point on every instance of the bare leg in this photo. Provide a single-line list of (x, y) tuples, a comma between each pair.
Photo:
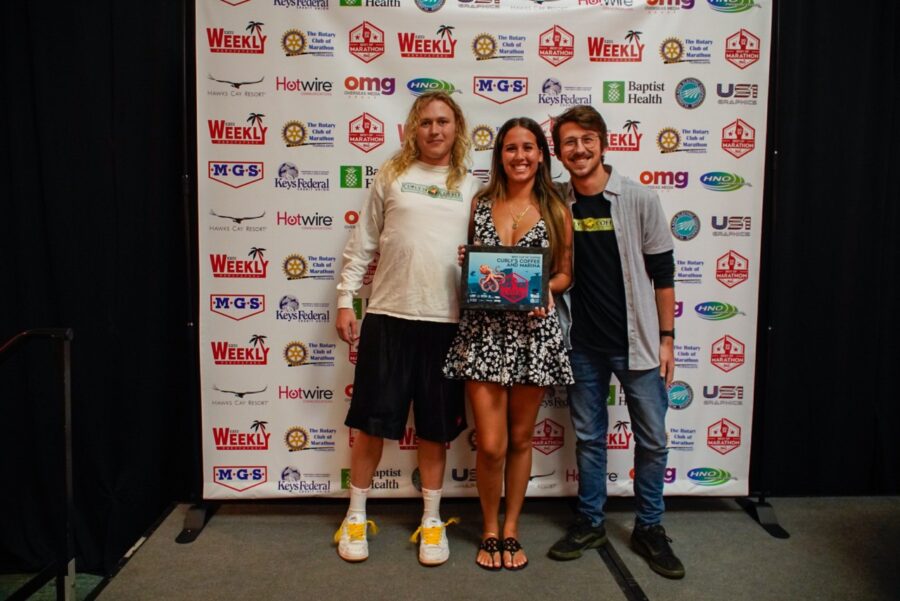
[(489, 403), (364, 459), (524, 403), (432, 458)]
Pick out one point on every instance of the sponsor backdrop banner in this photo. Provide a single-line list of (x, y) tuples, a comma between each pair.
[(300, 101)]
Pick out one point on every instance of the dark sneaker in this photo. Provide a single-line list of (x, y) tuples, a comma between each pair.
[(652, 544), (580, 537)]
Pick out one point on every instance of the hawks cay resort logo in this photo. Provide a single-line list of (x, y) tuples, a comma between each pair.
[(239, 399), (697, 51), (235, 174), (554, 93), (228, 266), (312, 267), (253, 352), (228, 41), (290, 309), (237, 223), (296, 42), (417, 45), (236, 84), (508, 47), (290, 177), (605, 50), (230, 439), (231, 132)]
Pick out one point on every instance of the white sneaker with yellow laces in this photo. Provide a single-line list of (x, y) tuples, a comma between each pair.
[(434, 549), (351, 537)]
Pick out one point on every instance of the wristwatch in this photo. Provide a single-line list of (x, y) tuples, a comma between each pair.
[(669, 333)]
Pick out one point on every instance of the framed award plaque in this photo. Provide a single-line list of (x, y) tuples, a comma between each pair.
[(505, 278)]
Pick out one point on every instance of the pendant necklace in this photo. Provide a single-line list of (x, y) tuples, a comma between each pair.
[(515, 219)]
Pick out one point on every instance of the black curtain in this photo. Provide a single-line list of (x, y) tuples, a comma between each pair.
[(827, 421), (94, 238)]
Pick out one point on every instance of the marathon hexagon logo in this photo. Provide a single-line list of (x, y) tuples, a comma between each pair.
[(240, 477), (499, 89), (727, 353), (738, 138), (366, 132), (556, 45), (366, 42), (742, 49), (235, 174), (723, 436), (548, 437), (237, 306), (732, 268)]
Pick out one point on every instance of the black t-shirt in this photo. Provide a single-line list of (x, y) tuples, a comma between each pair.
[(599, 318)]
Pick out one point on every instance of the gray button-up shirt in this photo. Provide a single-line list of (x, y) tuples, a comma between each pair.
[(641, 228)]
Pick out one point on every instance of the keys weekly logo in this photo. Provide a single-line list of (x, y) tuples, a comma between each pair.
[(255, 352), (229, 132), (226, 266), (628, 140), (416, 45), (223, 41), (604, 50), (227, 439)]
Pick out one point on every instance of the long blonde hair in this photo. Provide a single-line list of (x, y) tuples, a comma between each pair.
[(553, 209), (409, 152)]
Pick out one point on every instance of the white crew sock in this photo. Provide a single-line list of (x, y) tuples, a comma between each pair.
[(432, 499), (358, 502)]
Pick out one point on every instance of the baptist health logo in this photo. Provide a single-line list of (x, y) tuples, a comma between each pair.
[(357, 176)]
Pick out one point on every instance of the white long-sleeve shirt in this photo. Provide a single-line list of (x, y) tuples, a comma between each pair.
[(415, 224)]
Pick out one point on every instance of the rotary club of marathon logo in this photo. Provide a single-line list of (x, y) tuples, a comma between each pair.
[(672, 51), (483, 137), (319, 354), (313, 267), (296, 133), (486, 46), (295, 42)]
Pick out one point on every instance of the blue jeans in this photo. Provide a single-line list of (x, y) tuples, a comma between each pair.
[(645, 393)]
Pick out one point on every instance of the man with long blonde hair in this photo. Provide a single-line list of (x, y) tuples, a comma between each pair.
[(414, 218)]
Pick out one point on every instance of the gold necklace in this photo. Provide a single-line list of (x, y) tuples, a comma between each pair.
[(515, 219)]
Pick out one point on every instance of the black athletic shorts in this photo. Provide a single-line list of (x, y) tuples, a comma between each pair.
[(401, 360)]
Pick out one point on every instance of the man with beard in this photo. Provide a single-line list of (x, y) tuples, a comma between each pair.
[(618, 318)]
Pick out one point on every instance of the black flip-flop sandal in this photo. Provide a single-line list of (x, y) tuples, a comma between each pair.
[(492, 546), (513, 546)]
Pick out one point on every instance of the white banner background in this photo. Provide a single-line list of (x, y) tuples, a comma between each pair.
[(280, 86)]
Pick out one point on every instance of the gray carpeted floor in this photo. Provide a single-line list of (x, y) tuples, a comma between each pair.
[(839, 549)]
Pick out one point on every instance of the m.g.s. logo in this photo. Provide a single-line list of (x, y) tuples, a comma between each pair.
[(227, 41), (500, 89), (235, 174), (237, 306), (240, 477)]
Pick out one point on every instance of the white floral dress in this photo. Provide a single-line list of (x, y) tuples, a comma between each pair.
[(508, 347)]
